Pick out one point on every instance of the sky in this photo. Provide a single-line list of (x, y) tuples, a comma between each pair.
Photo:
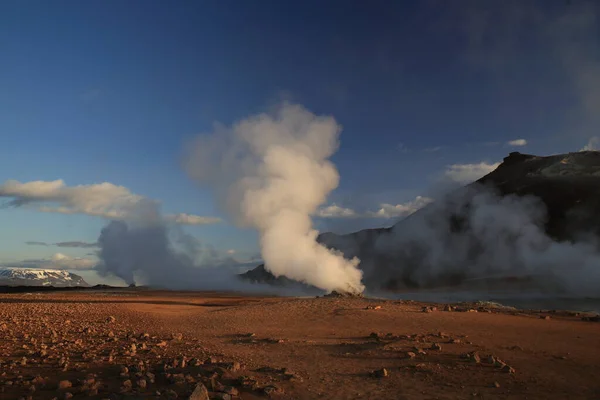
[(99, 99)]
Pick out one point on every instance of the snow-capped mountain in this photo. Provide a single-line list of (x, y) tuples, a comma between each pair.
[(39, 277)]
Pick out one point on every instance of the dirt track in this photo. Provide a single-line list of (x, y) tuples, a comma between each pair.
[(326, 345)]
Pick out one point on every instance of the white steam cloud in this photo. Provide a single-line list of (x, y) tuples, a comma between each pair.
[(472, 234), (272, 172), (592, 145)]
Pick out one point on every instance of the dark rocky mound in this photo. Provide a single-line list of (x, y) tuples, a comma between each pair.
[(566, 186)]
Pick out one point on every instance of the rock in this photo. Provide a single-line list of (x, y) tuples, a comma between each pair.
[(380, 373), (496, 385), (177, 337), (247, 382), (472, 357), (374, 335), (436, 346), (126, 386), (200, 393), (508, 369), (410, 354), (489, 359), (142, 384), (111, 319), (373, 308), (272, 389), (449, 308), (64, 384), (68, 396), (546, 317), (232, 366), (427, 309), (211, 360)]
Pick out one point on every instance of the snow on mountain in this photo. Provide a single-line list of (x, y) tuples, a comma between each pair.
[(39, 277)]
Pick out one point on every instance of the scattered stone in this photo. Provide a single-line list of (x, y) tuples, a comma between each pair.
[(373, 308), (374, 335), (489, 359), (436, 346), (449, 308), (200, 393), (428, 309), (64, 384), (410, 354), (472, 357), (508, 369), (111, 319), (380, 373), (272, 389), (232, 366), (546, 317)]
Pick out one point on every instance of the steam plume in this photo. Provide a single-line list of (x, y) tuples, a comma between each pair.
[(272, 172), (159, 254), (475, 233)]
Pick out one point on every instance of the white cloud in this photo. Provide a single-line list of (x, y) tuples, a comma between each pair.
[(385, 210), (517, 142), (401, 210), (190, 219), (335, 211), (467, 173), (62, 261), (231, 251), (57, 261), (100, 200), (592, 145)]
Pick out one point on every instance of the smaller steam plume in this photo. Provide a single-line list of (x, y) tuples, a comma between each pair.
[(163, 255), (271, 172)]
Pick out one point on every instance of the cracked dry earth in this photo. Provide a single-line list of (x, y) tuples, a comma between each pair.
[(135, 344)]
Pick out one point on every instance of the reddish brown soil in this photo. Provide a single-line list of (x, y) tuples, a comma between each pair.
[(324, 343)]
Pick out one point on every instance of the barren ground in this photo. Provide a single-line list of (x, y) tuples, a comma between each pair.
[(312, 348)]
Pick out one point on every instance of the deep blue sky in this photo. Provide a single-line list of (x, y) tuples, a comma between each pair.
[(94, 91)]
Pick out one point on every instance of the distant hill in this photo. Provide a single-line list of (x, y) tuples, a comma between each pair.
[(567, 187), (39, 277)]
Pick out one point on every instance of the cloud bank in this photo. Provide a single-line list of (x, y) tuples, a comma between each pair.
[(99, 200), (75, 244)]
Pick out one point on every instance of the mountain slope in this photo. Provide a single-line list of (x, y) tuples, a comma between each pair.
[(39, 277), (519, 220)]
